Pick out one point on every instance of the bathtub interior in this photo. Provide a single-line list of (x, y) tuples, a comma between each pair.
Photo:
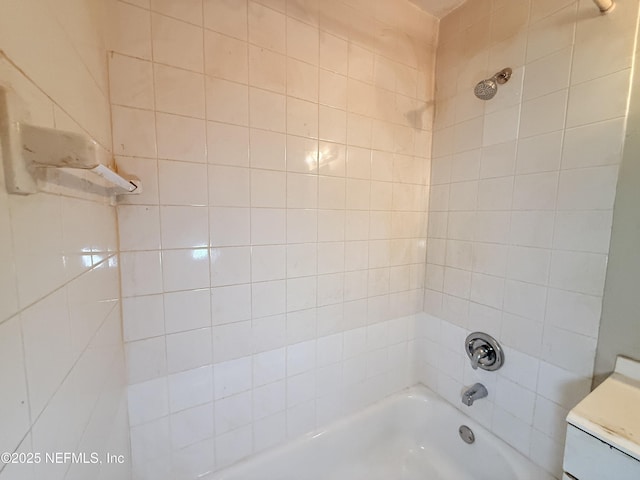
[(410, 436)]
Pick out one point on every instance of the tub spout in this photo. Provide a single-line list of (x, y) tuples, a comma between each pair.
[(473, 393)]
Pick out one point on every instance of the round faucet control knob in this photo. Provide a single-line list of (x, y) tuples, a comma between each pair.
[(484, 351)]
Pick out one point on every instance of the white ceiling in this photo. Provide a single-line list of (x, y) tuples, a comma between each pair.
[(439, 8)]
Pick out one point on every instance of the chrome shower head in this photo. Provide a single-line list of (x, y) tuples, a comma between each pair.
[(487, 89)]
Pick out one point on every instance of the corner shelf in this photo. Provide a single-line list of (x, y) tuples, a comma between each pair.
[(26, 148)]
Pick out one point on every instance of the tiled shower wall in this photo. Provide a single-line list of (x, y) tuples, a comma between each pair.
[(272, 268), (61, 352), (521, 206)]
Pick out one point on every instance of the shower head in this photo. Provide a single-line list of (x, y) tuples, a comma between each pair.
[(487, 89)]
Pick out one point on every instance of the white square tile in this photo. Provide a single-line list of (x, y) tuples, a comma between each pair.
[(181, 138), (177, 43), (268, 226), (133, 132), (548, 74), (190, 388), (268, 150), (574, 312), (333, 53), (331, 225), (227, 101), (551, 33), (267, 110), (192, 425), (234, 446), (142, 317), (571, 351), (227, 144), (227, 18), (267, 69), (131, 31), (586, 106), (487, 290), (539, 154), (521, 334), (232, 377), (230, 266), (141, 273), (185, 269), (269, 399), (578, 272), (302, 41), (529, 264), (525, 299), (268, 298), (550, 419), (301, 357), (583, 230), (231, 341), (139, 227), (15, 401), (512, 429), (187, 310), (592, 145), (515, 399), (302, 80), (233, 412), (184, 227), (268, 263), (229, 226), (495, 193), (189, 11), (269, 367), (192, 174), (225, 57), (179, 91), (230, 186), (302, 191), (301, 325), (532, 228), (561, 386), (268, 333), (267, 27), (230, 304), (588, 188), (268, 188), (333, 89), (544, 114), (304, 156), (146, 359), (301, 388), (130, 82), (148, 401), (535, 191), (302, 118), (187, 350)]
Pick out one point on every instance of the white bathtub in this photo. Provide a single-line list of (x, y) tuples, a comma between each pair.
[(410, 436)]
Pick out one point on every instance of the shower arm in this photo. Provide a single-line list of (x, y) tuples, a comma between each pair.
[(503, 76), (605, 6)]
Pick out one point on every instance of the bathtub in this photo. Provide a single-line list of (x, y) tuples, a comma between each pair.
[(410, 436)]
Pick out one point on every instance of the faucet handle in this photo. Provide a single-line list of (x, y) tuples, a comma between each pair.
[(484, 351), (479, 354)]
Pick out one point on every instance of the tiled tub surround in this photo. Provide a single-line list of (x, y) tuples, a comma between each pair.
[(272, 269), (61, 350), (522, 190)]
